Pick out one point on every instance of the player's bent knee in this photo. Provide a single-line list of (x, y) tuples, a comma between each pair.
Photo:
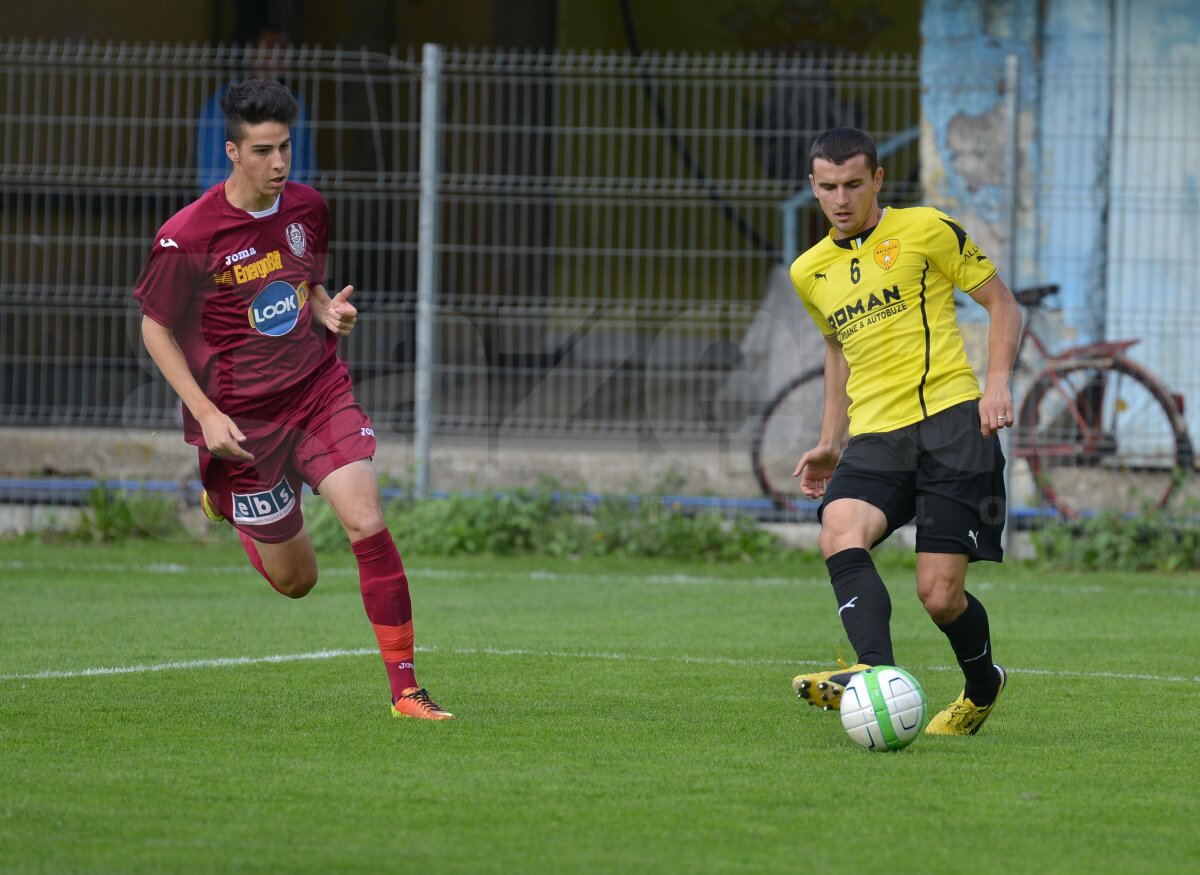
[(296, 585), (831, 541), (364, 526), (944, 606)]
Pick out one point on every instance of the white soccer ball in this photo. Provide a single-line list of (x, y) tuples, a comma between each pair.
[(883, 708)]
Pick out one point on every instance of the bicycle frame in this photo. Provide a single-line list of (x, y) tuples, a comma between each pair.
[(1099, 351), (1084, 412), (1099, 354), (1088, 417)]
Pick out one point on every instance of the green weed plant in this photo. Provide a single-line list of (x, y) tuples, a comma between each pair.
[(1146, 541), (545, 522)]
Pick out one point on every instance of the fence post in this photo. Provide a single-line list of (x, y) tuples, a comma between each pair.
[(1012, 182), (431, 110), (1012, 157)]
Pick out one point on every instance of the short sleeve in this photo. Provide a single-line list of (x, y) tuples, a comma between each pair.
[(955, 254), (814, 312), (164, 289)]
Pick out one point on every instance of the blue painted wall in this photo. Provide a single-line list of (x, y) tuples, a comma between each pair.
[(1073, 142), (1154, 234), (965, 123), (1109, 190)]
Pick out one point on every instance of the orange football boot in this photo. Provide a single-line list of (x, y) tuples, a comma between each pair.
[(415, 702)]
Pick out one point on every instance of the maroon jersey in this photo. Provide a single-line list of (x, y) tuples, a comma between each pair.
[(234, 289)]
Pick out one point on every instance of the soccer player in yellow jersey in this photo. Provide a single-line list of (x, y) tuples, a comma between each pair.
[(923, 437)]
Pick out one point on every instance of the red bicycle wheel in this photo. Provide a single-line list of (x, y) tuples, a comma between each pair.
[(789, 427), (1102, 436)]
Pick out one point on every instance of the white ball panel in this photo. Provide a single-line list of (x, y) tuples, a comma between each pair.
[(903, 698)]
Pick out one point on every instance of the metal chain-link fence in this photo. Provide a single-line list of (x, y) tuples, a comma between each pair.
[(608, 224), (609, 228)]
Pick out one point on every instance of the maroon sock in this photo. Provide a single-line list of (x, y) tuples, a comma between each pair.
[(385, 596), (256, 560)]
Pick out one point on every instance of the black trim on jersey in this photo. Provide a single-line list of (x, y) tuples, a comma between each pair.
[(924, 322), (849, 242), (959, 233), (980, 285)]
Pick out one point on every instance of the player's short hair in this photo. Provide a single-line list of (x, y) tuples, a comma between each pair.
[(256, 101), (839, 145)]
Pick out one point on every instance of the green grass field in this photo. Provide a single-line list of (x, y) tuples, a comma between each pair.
[(162, 710)]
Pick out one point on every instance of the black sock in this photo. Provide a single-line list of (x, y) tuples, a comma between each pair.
[(864, 606), (970, 639)]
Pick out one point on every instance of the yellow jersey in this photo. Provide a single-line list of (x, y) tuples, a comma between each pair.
[(888, 298)]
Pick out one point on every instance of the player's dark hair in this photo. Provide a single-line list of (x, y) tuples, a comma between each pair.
[(254, 102), (839, 145)]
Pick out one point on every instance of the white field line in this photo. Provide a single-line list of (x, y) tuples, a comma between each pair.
[(185, 665), (234, 661), (416, 573)]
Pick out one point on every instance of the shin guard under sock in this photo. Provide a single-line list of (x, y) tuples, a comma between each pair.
[(384, 587), (864, 606), (970, 638)]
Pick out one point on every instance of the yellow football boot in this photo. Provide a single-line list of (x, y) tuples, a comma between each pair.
[(210, 509), (964, 717), (824, 688)]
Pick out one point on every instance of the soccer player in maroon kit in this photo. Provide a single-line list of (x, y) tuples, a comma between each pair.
[(236, 316)]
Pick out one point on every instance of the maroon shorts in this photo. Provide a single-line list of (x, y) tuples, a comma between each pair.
[(324, 431)]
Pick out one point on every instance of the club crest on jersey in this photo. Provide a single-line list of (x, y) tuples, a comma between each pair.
[(296, 239), (886, 253), (268, 506), (276, 309)]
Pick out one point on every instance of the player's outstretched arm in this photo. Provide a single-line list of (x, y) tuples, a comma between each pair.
[(337, 314), (221, 434), (815, 468), (1004, 333)]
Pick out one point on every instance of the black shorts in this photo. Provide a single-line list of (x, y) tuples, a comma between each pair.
[(940, 471)]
